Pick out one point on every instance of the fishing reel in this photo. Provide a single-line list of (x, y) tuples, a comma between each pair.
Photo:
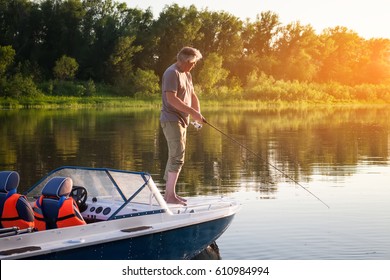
[(196, 125)]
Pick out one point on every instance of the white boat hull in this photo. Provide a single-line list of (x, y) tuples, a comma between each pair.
[(137, 224)]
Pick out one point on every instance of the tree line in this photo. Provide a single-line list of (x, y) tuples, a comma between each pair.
[(71, 47)]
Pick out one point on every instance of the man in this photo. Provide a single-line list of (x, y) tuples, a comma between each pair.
[(179, 102)]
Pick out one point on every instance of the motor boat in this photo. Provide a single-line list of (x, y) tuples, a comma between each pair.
[(126, 217)]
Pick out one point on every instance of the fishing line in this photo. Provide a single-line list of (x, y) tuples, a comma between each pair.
[(270, 164)]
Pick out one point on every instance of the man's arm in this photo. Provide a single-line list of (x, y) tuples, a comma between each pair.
[(181, 106)]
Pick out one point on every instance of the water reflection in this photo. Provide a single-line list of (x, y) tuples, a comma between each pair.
[(210, 253), (298, 142), (341, 154)]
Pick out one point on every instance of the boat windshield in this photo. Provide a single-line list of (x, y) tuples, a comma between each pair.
[(105, 183)]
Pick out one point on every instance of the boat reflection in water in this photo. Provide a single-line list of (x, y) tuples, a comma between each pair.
[(126, 218), (210, 253)]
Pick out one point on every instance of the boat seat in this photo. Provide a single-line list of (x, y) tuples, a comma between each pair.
[(15, 211), (55, 208)]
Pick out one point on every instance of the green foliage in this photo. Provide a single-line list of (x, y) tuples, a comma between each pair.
[(90, 88), (120, 61), (175, 28), (212, 73), (337, 91), (65, 68), (145, 83), (105, 42), (7, 54), (344, 57), (234, 88), (220, 33), (297, 53), (68, 88), (18, 86), (261, 87), (259, 35), (213, 81)]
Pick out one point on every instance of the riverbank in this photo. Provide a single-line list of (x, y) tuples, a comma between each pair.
[(53, 102), (75, 102)]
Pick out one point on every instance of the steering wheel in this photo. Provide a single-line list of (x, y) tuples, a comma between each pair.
[(79, 194)]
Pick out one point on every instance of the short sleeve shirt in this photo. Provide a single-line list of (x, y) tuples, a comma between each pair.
[(175, 81)]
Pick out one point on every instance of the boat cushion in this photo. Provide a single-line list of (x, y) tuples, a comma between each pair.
[(50, 209), (9, 180), (58, 186)]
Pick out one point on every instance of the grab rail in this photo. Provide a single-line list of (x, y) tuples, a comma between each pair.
[(4, 232)]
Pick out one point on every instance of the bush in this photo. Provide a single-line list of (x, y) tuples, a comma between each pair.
[(145, 83), (90, 88), (263, 87), (212, 75), (18, 86), (232, 90), (7, 54), (65, 68), (338, 91), (68, 88)]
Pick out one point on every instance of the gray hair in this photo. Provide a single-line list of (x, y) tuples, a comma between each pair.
[(189, 54)]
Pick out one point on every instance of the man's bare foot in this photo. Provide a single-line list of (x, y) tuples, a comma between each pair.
[(181, 198), (174, 200)]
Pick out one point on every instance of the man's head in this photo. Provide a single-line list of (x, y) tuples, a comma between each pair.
[(189, 54), (187, 58)]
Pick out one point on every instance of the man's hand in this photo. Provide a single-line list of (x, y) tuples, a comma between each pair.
[(196, 116)]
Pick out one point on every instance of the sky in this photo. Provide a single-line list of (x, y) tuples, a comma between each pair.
[(368, 18)]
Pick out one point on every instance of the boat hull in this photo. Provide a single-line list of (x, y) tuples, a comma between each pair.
[(179, 243)]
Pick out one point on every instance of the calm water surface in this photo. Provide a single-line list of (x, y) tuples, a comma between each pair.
[(341, 155)]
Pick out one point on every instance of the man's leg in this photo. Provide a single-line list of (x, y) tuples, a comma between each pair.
[(170, 190), (175, 135)]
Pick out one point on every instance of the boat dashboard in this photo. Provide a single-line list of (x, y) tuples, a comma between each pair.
[(100, 209)]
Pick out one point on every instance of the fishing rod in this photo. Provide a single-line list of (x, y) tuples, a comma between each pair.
[(270, 164)]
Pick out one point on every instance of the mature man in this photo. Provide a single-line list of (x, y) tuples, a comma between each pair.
[(179, 102)]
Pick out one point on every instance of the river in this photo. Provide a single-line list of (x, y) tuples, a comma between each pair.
[(340, 155)]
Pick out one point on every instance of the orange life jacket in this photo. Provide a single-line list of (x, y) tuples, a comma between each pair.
[(10, 216), (66, 215)]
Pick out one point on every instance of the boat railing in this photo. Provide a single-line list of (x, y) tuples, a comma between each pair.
[(5, 232), (209, 205), (155, 195)]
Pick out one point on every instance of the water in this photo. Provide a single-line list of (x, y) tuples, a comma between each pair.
[(341, 155)]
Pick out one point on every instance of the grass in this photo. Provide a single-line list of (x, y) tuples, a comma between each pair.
[(76, 102), (110, 101)]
